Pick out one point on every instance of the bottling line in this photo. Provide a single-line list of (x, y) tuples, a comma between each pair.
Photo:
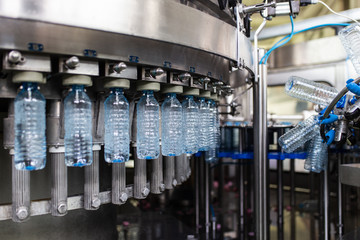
[(165, 119)]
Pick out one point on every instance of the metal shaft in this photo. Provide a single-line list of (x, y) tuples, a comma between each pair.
[(260, 155), (197, 195), (207, 201), (59, 184), (292, 199), (91, 189), (280, 219), (339, 194), (326, 205), (180, 169), (169, 173), (20, 194), (118, 192), (157, 182), (140, 189)]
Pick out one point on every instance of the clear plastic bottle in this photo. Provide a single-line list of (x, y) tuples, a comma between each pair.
[(117, 140), (30, 140), (350, 38), (311, 91), (212, 124), (172, 126), (204, 120), (316, 160), (191, 122), (78, 128), (300, 134), (148, 146)]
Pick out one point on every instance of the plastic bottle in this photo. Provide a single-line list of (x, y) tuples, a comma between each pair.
[(300, 134), (117, 140), (30, 140), (316, 160), (204, 122), (350, 38), (191, 122), (148, 146), (212, 124), (172, 126), (311, 91), (78, 128)]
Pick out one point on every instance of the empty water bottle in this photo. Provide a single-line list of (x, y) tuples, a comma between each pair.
[(311, 91), (30, 140), (171, 126), (316, 160), (116, 127), (350, 38), (300, 134), (204, 123), (78, 128), (190, 123), (148, 146)]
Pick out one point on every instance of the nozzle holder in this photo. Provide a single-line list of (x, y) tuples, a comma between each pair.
[(144, 86), (172, 89), (214, 97), (77, 80), (205, 94), (117, 83), (34, 77), (191, 91)]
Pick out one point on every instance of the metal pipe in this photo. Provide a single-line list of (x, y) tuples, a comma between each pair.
[(260, 155), (140, 189), (256, 53), (326, 205), (197, 195), (207, 201), (169, 172), (339, 193), (157, 185), (292, 199), (241, 188), (179, 169), (280, 199), (91, 188), (59, 182), (118, 192)]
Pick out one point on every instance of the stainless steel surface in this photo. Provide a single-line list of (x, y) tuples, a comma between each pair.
[(92, 182), (260, 153), (153, 74), (29, 62), (310, 22), (350, 174), (169, 172), (207, 199), (20, 194), (157, 185), (339, 198), (180, 169), (83, 67), (119, 195), (179, 78), (326, 205), (283, 9), (141, 189), (159, 20), (72, 62), (59, 184), (54, 124), (113, 69)]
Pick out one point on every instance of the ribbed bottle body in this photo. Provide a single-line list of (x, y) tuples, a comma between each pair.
[(78, 128), (117, 140), (317, 155), (172, 126), (30, 139), (310, 91), (350, 38), (204, 123), (190, 125), (147, 110), (300, 134)]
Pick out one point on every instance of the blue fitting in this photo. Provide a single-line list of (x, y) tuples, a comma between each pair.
[(330, 136), (354, 88), (330, 119)]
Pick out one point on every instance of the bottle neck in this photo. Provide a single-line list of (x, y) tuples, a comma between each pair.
[(171, 95), (77, 88), (29, 86), (148, 93), (117, 91), (189, 97)]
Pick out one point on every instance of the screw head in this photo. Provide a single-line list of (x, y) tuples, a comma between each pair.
[(184, 77), (123, 197), (162, 187), (22, 213), (62, 208), (95, 203), (174, 183), (15, 57), (72, 62), (156, 72), (145, 192), (119, 67)]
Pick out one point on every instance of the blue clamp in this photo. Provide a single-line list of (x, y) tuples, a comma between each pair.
[(330, 119), (341, 103), (352, 100), (354, 88), (330, 136)]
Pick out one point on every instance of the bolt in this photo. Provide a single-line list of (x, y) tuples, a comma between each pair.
[(162, 187), (95, 203), (72, 62), (22, 213), (156, 72), (184, 77), (15, 57), (123, 197), (145, 191), (174, 183), (205, 80), (62, 208), (119, 67)]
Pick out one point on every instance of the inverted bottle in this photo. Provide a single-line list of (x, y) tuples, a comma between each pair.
[(116, 127), (30, 140), (310, 91), (147, 110), (78, 128), (317, 155), (204, 122), (350, 38), (191, 122)]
